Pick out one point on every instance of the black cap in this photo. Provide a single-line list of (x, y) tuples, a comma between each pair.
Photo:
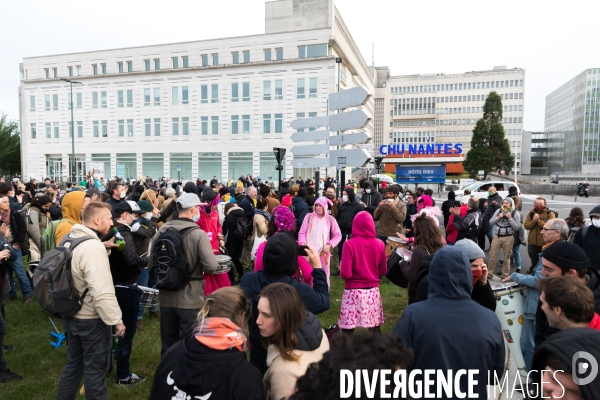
[(567, 255), (208, 195), (280, 258)]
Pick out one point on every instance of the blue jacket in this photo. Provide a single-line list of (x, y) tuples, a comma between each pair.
[(316, 300), (449, 331), (533, 293), (300, 208), (248, 206)]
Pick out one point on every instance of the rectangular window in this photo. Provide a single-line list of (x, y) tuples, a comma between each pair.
[(298, 116), (120, 64), (185, 126), (95, 69), (266, 123), (246, 54), (129, 66), (79, 101), (174, 95), (245, 91), (215, 59), (130, 128), (104, 128), (311, 115), (70, 71), (156, 64), (175, 126), (79, 129), (245, 124), (235, 120), (185, 62), (235, 57), (184, 95), (31, 103), (279, 53), (301, 51), (214, 98), (204, 58), (235, 92), (121, 124), (103, 67), (215, 125), (47, 72), (204, 125), (520, 95), (278, 123), (33, 130), (147, 65), (175, 61), (156, 126), (120, 99), (146, 97), (300, 89), (94, 99), (204, 94), (48, 130), (312, 50), (312, 88), (47, 102), (103, 100), (267, 54), (267, 90), (279, 89), (130, 98), (157, 96), (95, 129), (55, 102), (147, 127), (55, 72)]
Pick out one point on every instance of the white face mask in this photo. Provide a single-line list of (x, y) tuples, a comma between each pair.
[(345, 198), (123, 194), (596, 223), (368, 190)]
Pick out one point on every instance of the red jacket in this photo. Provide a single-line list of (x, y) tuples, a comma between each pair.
[(451, 232), (595, 324)]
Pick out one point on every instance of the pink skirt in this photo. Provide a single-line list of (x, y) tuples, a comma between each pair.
[(361, 308)]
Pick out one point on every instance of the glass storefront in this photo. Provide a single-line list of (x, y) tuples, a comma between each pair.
[(153, 165), (126, 165), (268, 162), (240, 164), (184, 160), (104, 158), (80, 168), (54, 168), (209, 165)]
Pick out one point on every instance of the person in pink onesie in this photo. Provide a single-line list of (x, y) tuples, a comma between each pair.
[(321, 231)]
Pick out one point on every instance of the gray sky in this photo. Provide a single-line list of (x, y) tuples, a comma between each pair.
[(552, 43)]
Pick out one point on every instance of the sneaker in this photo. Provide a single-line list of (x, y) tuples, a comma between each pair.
[(132, 380), (154, 314), (140, 325), (7, 376), (28, 300), (7, 349)]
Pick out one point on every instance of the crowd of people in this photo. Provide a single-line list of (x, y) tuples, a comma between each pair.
[(242, 268)]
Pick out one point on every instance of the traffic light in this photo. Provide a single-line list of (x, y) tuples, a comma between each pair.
[(279, 153)]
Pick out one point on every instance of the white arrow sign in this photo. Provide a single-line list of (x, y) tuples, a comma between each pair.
[(349, 138), (314, 122), (310, 162), (356, 119), (348, 98), (311, 136), (349, 157), (310, 149)]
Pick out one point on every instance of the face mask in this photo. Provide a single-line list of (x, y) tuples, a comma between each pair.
[(539, 207), (476, 275), (368, 190), (123, 194), (506, 209), (196, 217), (148, 216), (345, 198), (490, 194), (330, 195), (226, 198), (596, 223)]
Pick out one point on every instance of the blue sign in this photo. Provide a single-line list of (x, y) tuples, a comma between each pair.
[(421, 174), (416, 148)]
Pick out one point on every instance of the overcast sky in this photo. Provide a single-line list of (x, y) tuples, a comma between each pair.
[(553, 43)]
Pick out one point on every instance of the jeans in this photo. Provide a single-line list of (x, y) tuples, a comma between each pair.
[(88, 356), (19, 269), (144, 280), (2, 331), (176, 324), (490, 234), (527, 343), (534, 254), (517, 254), (129, 301), (345, 236)]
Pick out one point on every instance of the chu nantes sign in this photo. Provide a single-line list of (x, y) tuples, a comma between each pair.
[(429, 148)]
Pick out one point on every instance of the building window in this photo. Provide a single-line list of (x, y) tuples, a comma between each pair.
[(311, 115), (246, 54), (174, 95), (79, 101), (120, 99), (33, 130), (184, 95), (70, 71), (130, 128), (235, 120), (204, 58), (31, 103), (267, 90), (103, 67), (157, 96), (520, 96), (120, 64), (103, 100), (185, 62), (121, 124), (267, 54), (175, 126), (245, 91), (278, 123), (78, 70), (129, 98), (95, 69), (185, 126), (279, 89), (312, 50), (47, 72), (156, 126), (104, 128), (215, 125), (146, 97), (235, 57), (300, 89), (312, 88), (95, 129), (48, 130), (215, 59), (47, 102), (175, 62), (55, 72), (266, 123), (214, 98), (204, 94), (298, 116), (279, 53), (147, 65), (156, 64), (55, 102), (204, 125), (147, 127), (79, 129), (129, 66), (235, 93), (245, 124)]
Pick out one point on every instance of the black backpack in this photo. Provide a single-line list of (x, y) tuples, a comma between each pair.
[(478, 225), (241, 226), (170, 269), (422, 279), (53, 282)]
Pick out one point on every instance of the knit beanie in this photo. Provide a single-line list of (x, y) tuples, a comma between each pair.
[(190, 187), (471, 249), (145, 205), (302, 192), (567, 255), (280, 258)]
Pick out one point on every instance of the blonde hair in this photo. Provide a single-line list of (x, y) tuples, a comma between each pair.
[(227, 302)]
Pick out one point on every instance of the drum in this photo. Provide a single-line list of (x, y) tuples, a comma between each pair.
[(148, 297), (224, 264), (510, 303), (392, 243)]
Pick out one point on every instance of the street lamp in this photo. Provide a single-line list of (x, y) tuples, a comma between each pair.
[(73, 129), (338, 61)]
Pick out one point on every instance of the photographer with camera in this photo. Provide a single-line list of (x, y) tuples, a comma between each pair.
[(534, 223)]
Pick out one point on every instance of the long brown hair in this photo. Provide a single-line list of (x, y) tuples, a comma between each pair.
[(288, 310), (427, 234)]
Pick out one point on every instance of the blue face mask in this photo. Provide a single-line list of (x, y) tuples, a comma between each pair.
[(196, 217), (148, 217)]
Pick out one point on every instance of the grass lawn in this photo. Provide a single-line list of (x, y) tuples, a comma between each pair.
[(28, 330)]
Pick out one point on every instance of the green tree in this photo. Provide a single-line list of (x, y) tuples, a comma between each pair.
[(490, 150), (10, 147)]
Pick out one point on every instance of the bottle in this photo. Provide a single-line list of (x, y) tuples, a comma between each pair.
[(115, 345), (119, 240)]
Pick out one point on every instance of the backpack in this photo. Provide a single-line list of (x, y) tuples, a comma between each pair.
[(241, 225), (552, 211), (47, 238), (422, 278), (476, 226), (573, 232), (53, 282), (170, 269)]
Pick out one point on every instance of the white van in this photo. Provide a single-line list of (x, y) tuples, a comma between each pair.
[(482, 187)]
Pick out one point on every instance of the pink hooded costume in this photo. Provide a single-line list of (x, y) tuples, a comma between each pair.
[(320, 231), (425, 205)]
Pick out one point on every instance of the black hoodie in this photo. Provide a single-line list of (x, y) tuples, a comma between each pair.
[(564, 345), (192, 369), (372, 199), (449, 331)]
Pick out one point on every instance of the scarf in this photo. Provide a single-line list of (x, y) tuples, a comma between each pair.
[(220, 334), (264, 214)]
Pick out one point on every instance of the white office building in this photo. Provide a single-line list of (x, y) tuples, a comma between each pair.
[(443, 108), (212, 107)]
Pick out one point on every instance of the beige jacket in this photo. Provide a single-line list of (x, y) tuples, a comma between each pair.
[(199, 254), (90, 269), (391, 218), (260, 226)]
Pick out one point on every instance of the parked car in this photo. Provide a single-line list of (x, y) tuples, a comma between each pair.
[(483, 186)]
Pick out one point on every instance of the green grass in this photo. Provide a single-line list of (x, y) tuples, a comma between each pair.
[(40, 365)]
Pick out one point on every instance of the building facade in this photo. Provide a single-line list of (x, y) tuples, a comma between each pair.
[(443, 108), (193, 109), (573, 121)]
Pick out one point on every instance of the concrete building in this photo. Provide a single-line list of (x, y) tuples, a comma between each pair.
[(443, 108), (572, 121), (211, 107)]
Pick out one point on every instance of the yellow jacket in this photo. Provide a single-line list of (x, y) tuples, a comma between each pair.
[(71, 211)]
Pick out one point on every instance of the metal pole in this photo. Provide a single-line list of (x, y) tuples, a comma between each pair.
[(72, 137), (337, 172)]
